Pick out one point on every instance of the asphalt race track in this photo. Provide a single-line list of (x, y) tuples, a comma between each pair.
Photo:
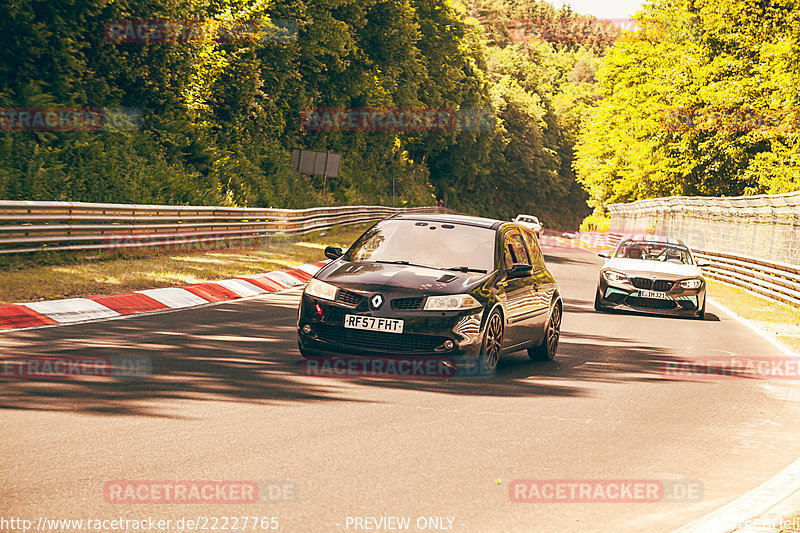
[(227, 400)]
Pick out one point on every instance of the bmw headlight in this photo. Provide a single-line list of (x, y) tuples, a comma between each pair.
[(691, 284), (451, 302), (611, 275), (320, 289)]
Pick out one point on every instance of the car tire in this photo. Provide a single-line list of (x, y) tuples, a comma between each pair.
[(552, 333), (702, 314), (597, 305), (308, 355), (492, 345)]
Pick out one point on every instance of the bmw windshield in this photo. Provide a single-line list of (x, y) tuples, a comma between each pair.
[(654, 251), (428, 244)]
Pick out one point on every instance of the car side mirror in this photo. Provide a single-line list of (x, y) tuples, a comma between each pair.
[(703, 264), (604, 255), (519, 270), (333, 252)]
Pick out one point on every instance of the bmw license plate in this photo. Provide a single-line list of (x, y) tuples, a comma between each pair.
[(370, 323), (653, 294)]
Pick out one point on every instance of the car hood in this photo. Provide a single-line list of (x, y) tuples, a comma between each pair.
[(377, 276), (637, 267)]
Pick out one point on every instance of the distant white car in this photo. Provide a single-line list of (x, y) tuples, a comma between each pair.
[(531, 222)]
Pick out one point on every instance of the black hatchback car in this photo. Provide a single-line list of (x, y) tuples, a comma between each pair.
[(434, 285)]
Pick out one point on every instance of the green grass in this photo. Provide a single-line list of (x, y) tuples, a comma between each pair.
[(759, 309), (33, 278)]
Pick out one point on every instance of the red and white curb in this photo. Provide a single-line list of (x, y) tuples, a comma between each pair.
[(73, 310)]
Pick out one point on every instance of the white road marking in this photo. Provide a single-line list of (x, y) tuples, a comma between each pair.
[(283, 279), (765, 496), (241, 287), (174, 297), (785, 350), (72, 310)]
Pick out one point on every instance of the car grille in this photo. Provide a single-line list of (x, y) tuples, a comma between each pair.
[(407, 304), (390, 343), (348, 297), (650, 303), (652, 284)]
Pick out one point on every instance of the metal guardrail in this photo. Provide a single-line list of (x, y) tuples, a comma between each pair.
[(27, 227), (771, 279)]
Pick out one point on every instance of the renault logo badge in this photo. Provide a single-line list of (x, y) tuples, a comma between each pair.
[(376, 301)]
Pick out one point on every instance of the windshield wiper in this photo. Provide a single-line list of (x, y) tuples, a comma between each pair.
[(406, 263), (467, 269)]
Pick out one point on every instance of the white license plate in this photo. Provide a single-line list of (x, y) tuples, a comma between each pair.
[(653, 294), (371, 323)]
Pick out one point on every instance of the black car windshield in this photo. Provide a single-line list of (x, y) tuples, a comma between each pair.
[(425, 243), (654, 251)]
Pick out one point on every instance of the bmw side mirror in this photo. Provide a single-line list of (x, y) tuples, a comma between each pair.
[(604, 255), (518, 270), (703, 264), (333, 252)]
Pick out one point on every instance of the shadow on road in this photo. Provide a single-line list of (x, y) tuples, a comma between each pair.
[(246, 352), (215, 353)]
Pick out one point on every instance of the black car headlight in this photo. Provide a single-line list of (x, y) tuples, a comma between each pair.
[(451, 302), (612, 275), (320, 289), (691, 283)]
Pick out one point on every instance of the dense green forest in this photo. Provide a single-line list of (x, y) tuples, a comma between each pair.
[(703, 100), (553, 108), (219, 118)]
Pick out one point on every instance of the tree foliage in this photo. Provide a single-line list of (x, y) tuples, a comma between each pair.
[(220, 118), (702, 101)]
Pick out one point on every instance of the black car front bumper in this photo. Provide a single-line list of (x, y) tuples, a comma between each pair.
[(321, 331)]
